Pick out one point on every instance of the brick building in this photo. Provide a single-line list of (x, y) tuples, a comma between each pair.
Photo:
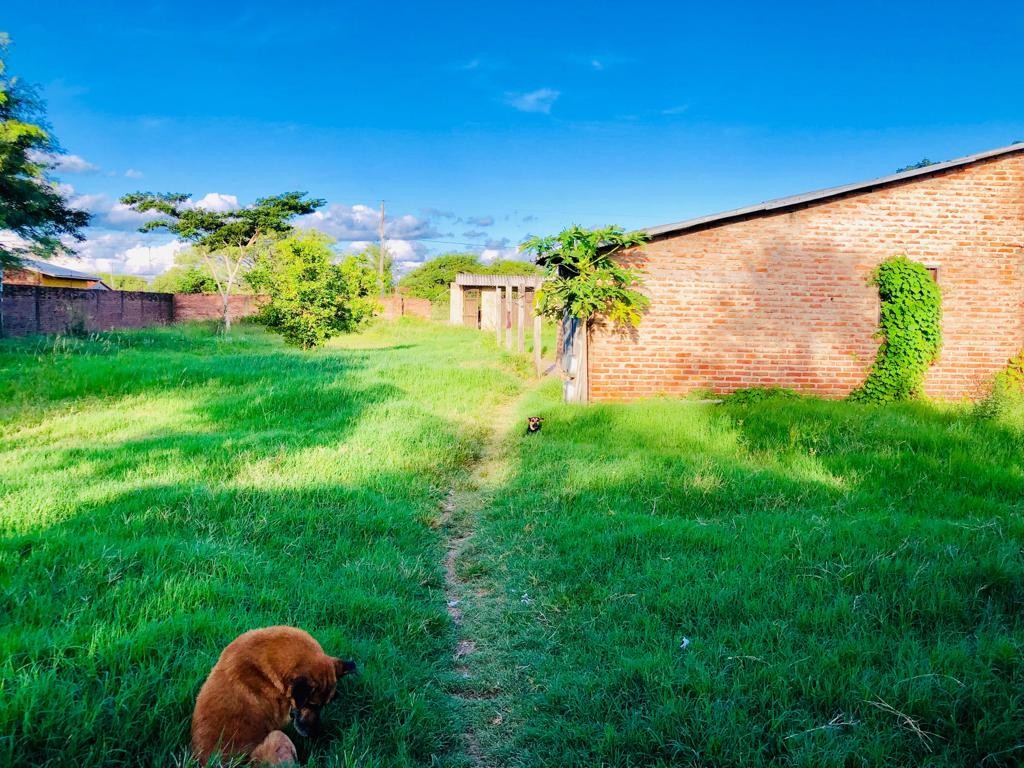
[(778, 294)]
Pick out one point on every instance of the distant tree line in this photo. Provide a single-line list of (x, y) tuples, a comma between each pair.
[(431, 280)]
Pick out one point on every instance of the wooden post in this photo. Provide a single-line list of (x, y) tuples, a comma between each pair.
[(521, 317), (506, 317), (536, 340), (498, 315), (456, 305)]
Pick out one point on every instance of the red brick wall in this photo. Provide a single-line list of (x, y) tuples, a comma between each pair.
[(398, 305), (29, 309), (784, 300), (210, 306)]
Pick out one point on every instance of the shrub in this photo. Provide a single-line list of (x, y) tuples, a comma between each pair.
[(1007, 393), (910, 329), (312, 299)]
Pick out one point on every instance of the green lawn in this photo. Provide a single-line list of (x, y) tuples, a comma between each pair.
[(850, 579), (164, 491)]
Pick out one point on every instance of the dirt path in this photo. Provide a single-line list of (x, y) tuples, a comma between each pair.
[(460, 513)]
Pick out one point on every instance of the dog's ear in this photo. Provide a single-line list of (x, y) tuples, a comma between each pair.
[(300, 690), (342, 667)]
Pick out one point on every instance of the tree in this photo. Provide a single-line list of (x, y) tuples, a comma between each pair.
[(583, 279), (227, 241), (383, 263), (182, 278), (512, 267), (124, 282), (311, 298), (431, 279), (31, 206)]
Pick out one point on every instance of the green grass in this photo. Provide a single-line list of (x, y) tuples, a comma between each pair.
[(850, 578), (163, 491), (828, 563)]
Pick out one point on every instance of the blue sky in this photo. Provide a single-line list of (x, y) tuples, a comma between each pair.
[(482, 123)]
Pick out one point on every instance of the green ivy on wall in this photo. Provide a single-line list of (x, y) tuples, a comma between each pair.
[(910, 329)]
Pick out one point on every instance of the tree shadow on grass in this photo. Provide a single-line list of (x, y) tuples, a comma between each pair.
[(819, 560), (113, 617)]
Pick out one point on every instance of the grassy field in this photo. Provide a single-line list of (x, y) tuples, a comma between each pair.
[(163, 491), (798, 583), (848, 581)]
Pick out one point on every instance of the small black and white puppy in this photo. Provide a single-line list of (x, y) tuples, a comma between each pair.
[(533, 424)]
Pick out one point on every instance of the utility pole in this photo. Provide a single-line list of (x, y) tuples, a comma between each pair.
[(380, 251)]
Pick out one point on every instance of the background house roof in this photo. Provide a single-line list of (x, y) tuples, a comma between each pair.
[(794, 201), (52, 270)]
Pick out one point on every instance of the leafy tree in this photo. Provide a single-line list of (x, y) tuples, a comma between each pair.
[(31, 207), (124, 282), (182, 278), (431, 279), (227, 241), (583, 278), (383, 264), (512, 267), (311, 298)]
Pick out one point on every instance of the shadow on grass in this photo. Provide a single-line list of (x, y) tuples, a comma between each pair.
[(204, 494), (849, 583)]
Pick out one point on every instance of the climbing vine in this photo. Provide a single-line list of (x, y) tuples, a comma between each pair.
[(909, 327)]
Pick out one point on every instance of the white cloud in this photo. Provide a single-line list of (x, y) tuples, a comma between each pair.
[(360, 222), (540, 100), (678, 110), (596, 64), (64, 163), (217, 202), (123, 253), (407, 254), (131, 173), (107, 213), (480, 221)]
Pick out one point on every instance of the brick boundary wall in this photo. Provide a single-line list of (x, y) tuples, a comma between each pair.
[(33, 309), (784, 300), (397, 305), (210, 306)]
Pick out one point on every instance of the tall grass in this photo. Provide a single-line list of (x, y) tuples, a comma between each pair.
[(789, 582), (775, 581), (163, 491)]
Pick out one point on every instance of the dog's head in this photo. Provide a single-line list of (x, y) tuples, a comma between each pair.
[(533, 423), (312, 689)]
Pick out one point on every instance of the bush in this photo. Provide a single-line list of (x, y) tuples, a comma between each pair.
[(1007, 393), (182, 279), (312, 299), (910, 329)]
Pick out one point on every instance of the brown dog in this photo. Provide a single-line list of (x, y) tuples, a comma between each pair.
[(262, 680)]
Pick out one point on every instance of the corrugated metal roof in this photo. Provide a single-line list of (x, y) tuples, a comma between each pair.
[(782, 203), (52, 270), (470, 280)]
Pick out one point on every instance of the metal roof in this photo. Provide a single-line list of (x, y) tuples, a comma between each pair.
[(52, 270), (469, 280), (783, 203)]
